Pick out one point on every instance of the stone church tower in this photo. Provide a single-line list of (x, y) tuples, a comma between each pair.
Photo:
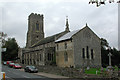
[(35, 29)]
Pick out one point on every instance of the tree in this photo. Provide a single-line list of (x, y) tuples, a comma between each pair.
[(12, 49), (104, 43), (104, 52), (115, 57)]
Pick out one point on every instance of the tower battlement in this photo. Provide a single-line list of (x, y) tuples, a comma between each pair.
[(35, 15)]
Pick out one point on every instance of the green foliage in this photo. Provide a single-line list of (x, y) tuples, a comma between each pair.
[(105, 58), (104, 54), (92, 71), (104, 43), (12, 50), (115, 57), (115, 68)]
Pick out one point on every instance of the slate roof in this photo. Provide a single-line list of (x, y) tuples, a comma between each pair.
[(70, 34), (47, 39), (67, 36)]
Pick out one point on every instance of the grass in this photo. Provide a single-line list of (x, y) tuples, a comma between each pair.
[(93, 71)]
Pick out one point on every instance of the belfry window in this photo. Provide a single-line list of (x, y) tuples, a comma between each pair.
[(37, 26)]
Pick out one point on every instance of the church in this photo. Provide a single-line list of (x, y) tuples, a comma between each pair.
[(65, 49)]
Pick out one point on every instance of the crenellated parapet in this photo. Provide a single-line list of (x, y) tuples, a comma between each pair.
[(35, 15)]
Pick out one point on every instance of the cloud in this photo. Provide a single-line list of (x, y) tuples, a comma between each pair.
[(102, 20)]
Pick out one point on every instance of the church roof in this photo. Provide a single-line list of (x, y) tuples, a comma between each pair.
[(67, 36), (48, 39)]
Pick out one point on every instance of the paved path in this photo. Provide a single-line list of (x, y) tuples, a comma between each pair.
[(47, 74)]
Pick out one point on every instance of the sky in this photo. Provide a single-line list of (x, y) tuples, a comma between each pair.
[(102, 20)]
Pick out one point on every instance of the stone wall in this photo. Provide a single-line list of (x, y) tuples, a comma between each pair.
[(62, 49), (87, 40), (39, 55)]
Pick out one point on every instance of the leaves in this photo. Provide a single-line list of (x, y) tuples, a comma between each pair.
[(12, 49), (104, 54)]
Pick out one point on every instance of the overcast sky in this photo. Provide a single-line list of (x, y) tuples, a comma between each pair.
[(102, 20)]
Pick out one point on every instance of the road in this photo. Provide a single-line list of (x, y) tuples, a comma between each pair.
[(16, 74)]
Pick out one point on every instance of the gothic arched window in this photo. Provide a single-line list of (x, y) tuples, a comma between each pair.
[(66, 56), (37, 26), (87, 50), (83, 53), (92, 55), (65, 45)]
